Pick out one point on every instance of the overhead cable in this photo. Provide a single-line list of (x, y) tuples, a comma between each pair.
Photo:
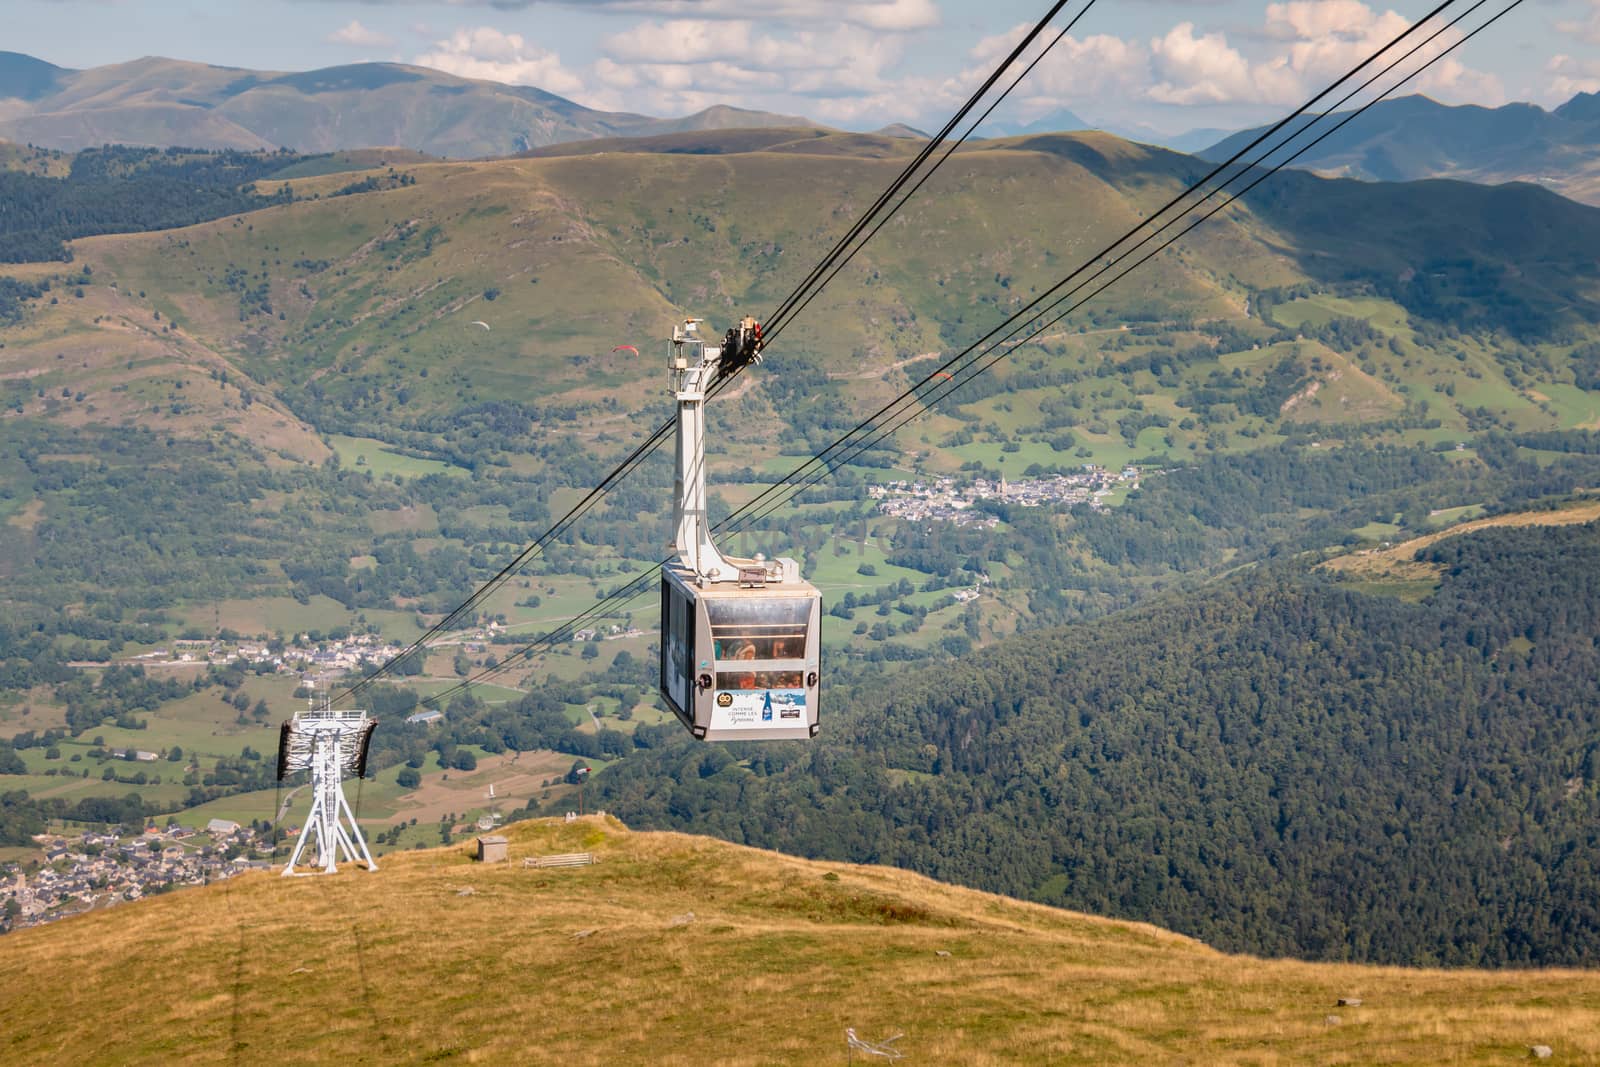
[(767, 502), (808, 288)]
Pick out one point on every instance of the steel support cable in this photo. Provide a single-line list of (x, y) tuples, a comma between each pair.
[(742, 518), (1214, 172), (776, 326), (1032, 307), (780, 315), (488, 588), (629, 592), (1003, 348), (776, 319)]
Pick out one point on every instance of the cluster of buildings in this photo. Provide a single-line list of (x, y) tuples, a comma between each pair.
[(98, 870), (611, 633), (331, 657), (337, 657), (947, 500)]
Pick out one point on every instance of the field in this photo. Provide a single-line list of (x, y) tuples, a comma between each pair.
[(1398, 563), (364, 453), (715, 953)]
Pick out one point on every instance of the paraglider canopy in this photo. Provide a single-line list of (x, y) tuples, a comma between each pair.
[(626, 348)]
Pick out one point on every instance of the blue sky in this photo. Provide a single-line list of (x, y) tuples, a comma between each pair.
[(1168, 66)]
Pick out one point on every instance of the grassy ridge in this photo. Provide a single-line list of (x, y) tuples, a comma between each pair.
[(435, 958)]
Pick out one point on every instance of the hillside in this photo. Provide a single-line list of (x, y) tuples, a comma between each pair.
[(329, 419), (583, 252), (683, 950), (1414, 137), (354, 315), (156, 101)]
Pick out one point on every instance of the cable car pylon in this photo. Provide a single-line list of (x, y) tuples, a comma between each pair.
[(741, 639), (330, 744)]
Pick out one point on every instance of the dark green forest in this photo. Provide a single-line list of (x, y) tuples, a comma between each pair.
[(128, 189), (1275, 764)]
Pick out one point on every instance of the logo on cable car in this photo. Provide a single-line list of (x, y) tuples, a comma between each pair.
[(724, 700)]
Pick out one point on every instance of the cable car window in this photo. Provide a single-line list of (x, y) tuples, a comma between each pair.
[(760, 680), (759, 628)]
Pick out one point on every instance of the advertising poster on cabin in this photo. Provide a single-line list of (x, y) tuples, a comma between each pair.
[(747, 709)]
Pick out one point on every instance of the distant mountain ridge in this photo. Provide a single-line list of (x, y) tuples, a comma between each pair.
[(1060, 120), (26, 78), (163, 102), (1416, 137)]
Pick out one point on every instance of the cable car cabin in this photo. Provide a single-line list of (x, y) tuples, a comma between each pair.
[(741, 662), (741, 639)]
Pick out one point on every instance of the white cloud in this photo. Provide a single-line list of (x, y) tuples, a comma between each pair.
[(845, 62), (360, 36), (486, 53), (1569, 76), (1328, 37), (1300, 47), (892, 15), (1198, 70), (683, 65), (1344, 20), (1312, 44), (1076, 70), (1453, 82)]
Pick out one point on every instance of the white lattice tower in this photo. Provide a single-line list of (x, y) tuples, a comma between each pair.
[(330, 744)]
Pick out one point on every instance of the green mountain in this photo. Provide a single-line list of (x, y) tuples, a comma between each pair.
[(1414, 137), (155, 101), (340, 410), (1331, 310)]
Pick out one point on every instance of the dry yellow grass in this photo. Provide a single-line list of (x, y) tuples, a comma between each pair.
[(1398, 562), (436, 958)]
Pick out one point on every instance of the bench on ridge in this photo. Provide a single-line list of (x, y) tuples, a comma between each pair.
[(568, 859)]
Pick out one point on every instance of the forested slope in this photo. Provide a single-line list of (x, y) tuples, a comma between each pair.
[(1275, 765)]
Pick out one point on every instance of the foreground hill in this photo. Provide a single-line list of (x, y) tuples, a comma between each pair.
[(683, 950), (156, 101), (1414, 137)]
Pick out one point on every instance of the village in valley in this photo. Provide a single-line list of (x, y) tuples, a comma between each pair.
[(947, 499), (99, 869), (315, 660)]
